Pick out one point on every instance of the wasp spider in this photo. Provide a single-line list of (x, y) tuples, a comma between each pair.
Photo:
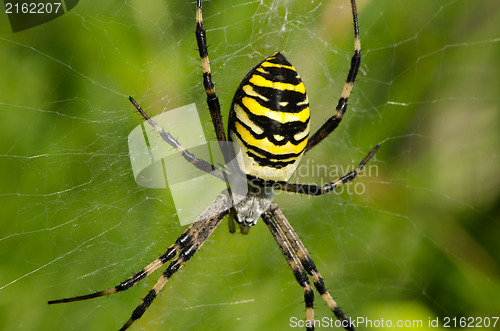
[(269, 125)]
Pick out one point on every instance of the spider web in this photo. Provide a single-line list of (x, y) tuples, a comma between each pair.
[(416, 239)]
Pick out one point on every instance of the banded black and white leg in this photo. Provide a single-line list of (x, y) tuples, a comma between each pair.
[(279, 220), (185, 239), (212, 102), (332, 123), (191, 158), (184, 248), (320, 190), (205, 225), (293, 261), (212, 99)]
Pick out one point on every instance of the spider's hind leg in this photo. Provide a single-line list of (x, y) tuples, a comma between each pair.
[(212, 99), (332, 123)]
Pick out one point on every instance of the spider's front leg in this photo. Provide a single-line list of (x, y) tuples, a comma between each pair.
[(185, 246), (294, 263), (309, 265), (302, 264), (203, 227), (182, 242)]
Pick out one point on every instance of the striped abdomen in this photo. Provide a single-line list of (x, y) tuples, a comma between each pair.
[(269, 120)]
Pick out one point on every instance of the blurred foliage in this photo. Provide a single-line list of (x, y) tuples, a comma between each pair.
[(420, 242)]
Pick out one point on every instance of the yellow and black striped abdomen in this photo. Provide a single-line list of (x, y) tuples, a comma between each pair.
[(269, 120)]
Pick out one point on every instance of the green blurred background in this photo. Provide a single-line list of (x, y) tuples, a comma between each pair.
[(420, 242)]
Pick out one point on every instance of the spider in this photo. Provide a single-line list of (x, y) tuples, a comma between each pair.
[(268, 132)]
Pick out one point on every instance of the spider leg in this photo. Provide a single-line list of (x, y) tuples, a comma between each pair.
[(319, 190), (212, 99), (332, 123), (205, 225), (308, 264), (294, 263), (191, 158), (183, 241)]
